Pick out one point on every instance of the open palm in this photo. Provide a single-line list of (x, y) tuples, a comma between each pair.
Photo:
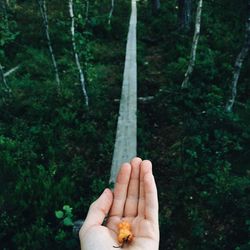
[(134, 200)]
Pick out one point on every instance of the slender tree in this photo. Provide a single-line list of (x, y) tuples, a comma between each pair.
[(194, 46), (81, 75), (86, 10), (43, 11), (184, 13), (111, 10), (156, 5), (239, 62), (3, 80)]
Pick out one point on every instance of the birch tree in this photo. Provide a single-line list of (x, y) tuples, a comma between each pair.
[(239, 62), (194, 46), (86, 10), (111, 10), (156, 5), (43, 11), (184, 13), (81, 75), (3, 80)]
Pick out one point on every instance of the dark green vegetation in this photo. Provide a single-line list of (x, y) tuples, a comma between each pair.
[(55, 152)]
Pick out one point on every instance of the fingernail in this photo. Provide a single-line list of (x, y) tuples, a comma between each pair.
[(106, 190)]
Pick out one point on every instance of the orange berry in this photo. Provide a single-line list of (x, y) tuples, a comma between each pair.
[(124, 235)]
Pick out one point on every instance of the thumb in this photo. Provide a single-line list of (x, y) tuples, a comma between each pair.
[(99, 209)]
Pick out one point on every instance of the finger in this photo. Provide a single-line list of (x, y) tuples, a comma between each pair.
[(131, 206), (151, 199), (120, 191), (99, 209), (112, 223), (146, 167)]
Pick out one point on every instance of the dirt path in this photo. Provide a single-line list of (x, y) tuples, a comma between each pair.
[(126, 141)]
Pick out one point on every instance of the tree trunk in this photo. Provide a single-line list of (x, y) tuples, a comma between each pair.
[(43, 11), (184, 14), (86, 11), (111, 10), (194, 46), (238, 63), (156, 5), (3, 80), (81, 76)]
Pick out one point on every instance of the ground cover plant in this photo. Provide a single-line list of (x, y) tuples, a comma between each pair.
[(56, 153)]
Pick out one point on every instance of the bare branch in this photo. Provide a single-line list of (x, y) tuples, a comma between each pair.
[(9, 72)]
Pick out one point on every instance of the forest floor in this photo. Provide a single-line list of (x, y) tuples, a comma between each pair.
[(56, 152)]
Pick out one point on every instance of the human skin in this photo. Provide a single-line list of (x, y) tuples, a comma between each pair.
[(134, 200)]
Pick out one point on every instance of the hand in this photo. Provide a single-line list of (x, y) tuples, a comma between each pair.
[(135, 201)]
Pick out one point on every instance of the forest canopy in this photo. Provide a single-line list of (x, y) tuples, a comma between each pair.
[(61, 73)]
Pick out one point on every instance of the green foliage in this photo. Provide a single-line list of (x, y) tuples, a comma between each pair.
[(53, 151), (200, 152), (207, 201), (65, 215)]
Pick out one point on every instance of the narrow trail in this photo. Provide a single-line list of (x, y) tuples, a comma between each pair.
[(126, 133)]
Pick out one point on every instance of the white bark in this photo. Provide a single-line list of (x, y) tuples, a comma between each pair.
[(43, 11), (3, 80), (194, 46), (111, 10), (126, 141), (11, 71), (238, 64), (81, 75)]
